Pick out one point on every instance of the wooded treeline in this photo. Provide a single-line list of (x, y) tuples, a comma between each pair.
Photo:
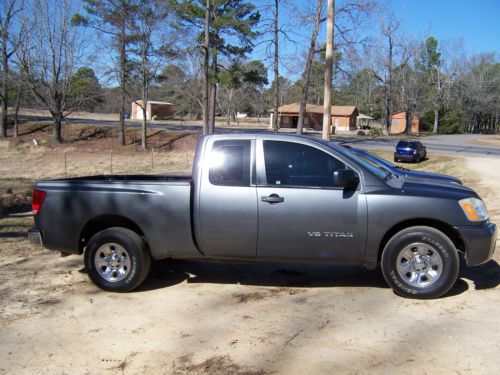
[(224, 57)]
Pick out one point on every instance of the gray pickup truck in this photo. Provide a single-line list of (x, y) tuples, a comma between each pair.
[(268, 198)]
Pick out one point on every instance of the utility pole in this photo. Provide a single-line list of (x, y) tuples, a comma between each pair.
[(327, 103), (206, 100)]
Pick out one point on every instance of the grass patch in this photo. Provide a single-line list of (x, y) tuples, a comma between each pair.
[(16, 222), (443, 164)]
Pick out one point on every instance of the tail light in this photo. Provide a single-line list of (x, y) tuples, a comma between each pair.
[(38, 198)]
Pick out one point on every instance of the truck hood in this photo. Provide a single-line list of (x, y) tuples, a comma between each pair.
[(436, 188), (430, 176)]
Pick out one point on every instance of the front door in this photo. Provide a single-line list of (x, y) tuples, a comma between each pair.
[(302, 215)]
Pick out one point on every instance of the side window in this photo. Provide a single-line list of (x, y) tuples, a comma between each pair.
[(229, 163), (292, 164)]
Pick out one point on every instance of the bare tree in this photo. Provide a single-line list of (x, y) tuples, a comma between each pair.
[(276, 94), (145, 28), (327, 101), (112, 18), (48, 58), (388, 57), (9, 42), (307, 72)]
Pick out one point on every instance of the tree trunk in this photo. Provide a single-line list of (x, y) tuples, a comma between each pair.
[(307, 71), (16, 108), (437, 102), (327, 101), (4, 92), (56, 127), (16, 120), (276, 93), (408, 129), (213, 94), (436, 120), (3, 119), (206, 63), (145, 98), (123, 62)]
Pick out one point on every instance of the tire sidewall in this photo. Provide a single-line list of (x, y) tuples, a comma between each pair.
[(133, 249), (441, 244)]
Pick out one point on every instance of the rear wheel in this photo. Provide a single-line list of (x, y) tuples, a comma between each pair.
[(117, 259), (420, 262)]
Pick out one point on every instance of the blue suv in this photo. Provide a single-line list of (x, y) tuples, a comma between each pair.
[(410, 151)]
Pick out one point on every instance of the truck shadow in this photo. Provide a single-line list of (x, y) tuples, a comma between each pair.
[(171, 272), (485, 276)]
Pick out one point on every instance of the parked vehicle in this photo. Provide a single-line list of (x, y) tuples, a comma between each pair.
[(400, 171), (410, 151), (266, 198)]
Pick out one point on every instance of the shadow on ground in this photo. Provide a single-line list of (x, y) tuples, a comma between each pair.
[(170, 272), (485, 276), (167, 273)]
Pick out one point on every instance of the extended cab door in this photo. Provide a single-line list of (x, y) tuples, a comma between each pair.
[(227, 201), (302, 215)]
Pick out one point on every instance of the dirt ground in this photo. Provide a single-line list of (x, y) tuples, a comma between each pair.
[(215, 318)]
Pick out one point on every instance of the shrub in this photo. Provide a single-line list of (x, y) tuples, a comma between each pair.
[(375, 132)]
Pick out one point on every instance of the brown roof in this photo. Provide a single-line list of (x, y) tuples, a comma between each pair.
[(337, 110)]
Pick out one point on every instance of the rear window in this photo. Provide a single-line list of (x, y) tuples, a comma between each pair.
[(406, 144), (230, 163)]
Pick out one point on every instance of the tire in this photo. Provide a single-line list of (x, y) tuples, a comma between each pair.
[(420, 262), (117, 259)]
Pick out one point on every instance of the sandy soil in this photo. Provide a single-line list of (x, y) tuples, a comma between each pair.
[(213, 318)]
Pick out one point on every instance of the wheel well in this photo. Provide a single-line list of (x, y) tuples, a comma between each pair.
[(104, 222), (447, 229)]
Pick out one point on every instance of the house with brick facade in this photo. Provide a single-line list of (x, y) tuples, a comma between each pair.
[(343, 117), (398, 123)]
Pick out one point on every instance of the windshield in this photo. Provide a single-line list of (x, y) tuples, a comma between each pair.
[(372, 167), (374, 158)]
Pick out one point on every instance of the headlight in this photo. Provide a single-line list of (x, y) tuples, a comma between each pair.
[(474, 209)]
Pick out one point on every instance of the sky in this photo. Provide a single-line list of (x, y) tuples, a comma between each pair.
[(474, 23)]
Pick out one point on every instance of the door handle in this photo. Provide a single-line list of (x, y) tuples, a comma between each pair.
[(273, 199)]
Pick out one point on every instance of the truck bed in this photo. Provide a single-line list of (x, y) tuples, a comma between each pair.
[(159, 205)]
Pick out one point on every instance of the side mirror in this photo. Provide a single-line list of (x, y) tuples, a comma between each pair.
[(346, 178)]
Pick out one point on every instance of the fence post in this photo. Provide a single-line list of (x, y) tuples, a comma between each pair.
[(65, 162), (152, 159)]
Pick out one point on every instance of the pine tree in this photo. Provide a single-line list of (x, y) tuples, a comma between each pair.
[(226, 28)]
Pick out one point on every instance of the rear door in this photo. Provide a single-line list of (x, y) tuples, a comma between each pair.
[(302, 215), (227, 208)]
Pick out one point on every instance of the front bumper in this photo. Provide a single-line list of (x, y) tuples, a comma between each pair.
[(480, 242), (35, 237)]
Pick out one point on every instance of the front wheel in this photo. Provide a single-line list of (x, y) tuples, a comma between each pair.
[(117, 259), (420, 262)]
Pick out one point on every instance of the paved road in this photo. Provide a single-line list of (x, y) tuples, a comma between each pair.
[(449, 144)]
